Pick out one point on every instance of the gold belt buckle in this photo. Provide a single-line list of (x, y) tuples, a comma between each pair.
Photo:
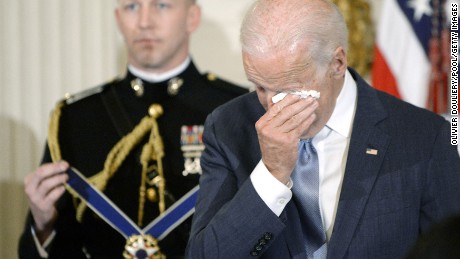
[(142, 247)]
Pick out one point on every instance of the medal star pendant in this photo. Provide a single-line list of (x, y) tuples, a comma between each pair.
[(142, 247)]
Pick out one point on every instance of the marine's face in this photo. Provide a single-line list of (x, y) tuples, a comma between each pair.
[(157, 32), (285, 73)]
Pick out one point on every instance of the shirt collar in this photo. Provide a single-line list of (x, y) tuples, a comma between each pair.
[(342, 117), (154, 77)]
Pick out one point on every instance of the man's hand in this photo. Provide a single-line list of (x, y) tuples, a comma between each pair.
[(279, 131), (43, 188)]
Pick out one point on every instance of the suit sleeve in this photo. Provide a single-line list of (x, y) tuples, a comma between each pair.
[(442, 195), (230, 218)]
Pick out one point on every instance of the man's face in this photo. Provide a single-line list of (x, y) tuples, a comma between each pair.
[(286, 72), (157, 32)]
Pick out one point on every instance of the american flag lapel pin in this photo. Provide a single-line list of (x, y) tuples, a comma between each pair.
[(372, 151)]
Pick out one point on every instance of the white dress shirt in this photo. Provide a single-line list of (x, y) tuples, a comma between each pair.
[(331, 144)]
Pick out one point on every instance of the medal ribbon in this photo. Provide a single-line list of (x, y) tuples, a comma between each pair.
[(107, 210)]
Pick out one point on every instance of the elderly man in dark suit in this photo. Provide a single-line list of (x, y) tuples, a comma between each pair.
[(385, 170)]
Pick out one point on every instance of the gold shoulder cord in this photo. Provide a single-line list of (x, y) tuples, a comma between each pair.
[(53, 132), (151, 151)]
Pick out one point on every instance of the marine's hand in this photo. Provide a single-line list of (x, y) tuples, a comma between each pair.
[(279, 131), (43, 188)]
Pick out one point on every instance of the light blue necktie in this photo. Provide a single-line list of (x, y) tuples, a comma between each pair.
[(306, 193)]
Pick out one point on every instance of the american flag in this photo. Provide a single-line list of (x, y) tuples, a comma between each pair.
[(412, 54)]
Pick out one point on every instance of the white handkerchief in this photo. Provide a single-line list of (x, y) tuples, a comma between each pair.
[(302, 94)]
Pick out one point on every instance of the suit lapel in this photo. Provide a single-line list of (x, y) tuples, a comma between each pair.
[(367, 149)]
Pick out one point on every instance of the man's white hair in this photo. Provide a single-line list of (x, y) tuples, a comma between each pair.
[(271, 26)]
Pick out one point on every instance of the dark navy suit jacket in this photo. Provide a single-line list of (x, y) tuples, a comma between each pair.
[(386, 200)]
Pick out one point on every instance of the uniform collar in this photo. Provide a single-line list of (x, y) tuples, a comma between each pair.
[(342, 117), (154, 77)]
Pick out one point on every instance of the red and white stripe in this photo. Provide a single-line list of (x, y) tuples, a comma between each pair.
[(401, 66)]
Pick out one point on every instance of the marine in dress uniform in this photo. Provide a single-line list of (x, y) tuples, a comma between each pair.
[(92, 122)]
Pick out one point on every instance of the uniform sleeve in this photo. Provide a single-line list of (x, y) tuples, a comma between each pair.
[(27, 247), (43, 248)]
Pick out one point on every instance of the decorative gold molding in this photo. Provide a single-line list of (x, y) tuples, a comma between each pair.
[(357, 14)]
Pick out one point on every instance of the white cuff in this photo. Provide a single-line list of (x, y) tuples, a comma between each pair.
[(42, 248), (273, 192)]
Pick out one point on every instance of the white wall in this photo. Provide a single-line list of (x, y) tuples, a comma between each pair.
[(216, 46), (50, 47), (47, 48)]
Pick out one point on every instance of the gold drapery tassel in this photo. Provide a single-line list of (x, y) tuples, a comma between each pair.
[(151, 151)]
